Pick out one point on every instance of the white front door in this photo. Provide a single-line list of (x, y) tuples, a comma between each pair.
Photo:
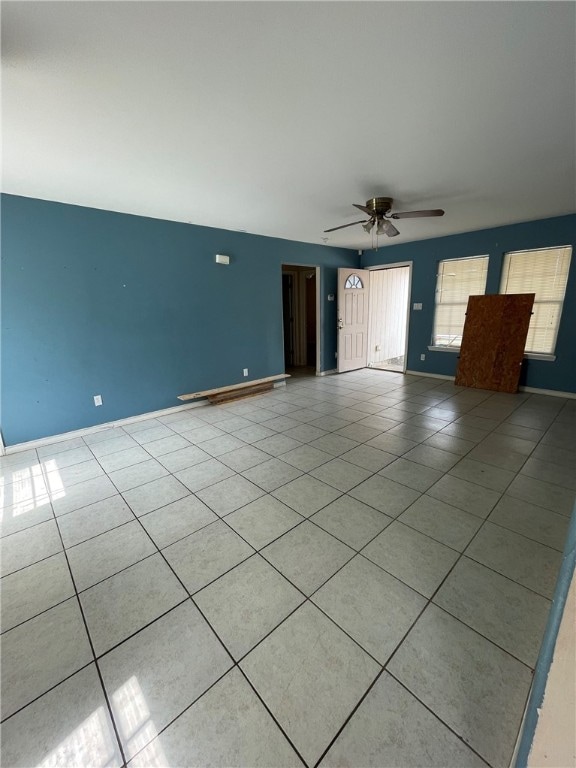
[(353, 292)]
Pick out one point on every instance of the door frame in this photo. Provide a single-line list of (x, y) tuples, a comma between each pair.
[(395, 265), (319, 319)]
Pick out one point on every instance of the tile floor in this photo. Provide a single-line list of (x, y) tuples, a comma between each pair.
[(350, 571)]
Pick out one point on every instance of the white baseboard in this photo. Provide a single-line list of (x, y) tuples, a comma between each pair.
[(99, 427), (551, 392), (107, 425), (529, 390), (6, 450), (430, 375)]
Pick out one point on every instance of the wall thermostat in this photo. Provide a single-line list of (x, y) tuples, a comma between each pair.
[(221, 259)]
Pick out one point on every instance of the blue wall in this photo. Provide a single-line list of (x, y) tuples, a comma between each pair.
[(425, 254), (136, 310)]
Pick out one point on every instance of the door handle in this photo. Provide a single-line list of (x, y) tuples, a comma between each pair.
[(340, 324)]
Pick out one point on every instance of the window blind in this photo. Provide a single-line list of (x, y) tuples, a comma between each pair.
[(457, 279), (545, 273)]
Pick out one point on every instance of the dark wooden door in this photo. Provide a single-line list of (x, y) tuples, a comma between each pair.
[(493, 341)]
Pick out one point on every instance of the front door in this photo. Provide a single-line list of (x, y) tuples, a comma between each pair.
[(353, 292)]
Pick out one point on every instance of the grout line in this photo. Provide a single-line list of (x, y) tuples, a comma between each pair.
[(524, 535), (48, 690), (116, 573), (91, 644), (41, 560), (490, 640), (508, 578), (262, 489), (267, 708), (144, 626), (397, 518), (235, 664), (400, 643), (44, 610), (458, 736), (307, 598), (160, 552), (268, 492)]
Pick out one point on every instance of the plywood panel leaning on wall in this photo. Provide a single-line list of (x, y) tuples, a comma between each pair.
[(493, 341)]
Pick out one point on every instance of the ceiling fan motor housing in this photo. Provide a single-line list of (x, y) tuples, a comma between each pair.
[(379, 205)]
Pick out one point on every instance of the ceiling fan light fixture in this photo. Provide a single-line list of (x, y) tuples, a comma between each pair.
[(379, 209), (389, 228)]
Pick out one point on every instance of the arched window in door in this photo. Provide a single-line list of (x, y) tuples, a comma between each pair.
[(353, 281)]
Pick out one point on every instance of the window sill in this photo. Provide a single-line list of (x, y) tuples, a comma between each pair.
[(539, 356), (527, 355), (444, 349)]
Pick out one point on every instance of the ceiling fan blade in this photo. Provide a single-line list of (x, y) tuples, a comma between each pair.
[(369, 211), (343, 226), (417, 214), (387, 228)]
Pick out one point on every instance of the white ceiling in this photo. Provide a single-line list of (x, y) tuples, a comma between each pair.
[(274, 117)]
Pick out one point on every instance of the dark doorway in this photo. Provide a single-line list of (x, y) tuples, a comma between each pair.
[(299, 302), (288, 318)]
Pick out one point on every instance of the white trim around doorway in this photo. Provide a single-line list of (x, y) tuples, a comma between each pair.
[(395, 265)]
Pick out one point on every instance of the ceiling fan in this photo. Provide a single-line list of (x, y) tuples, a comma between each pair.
[(379, 211)]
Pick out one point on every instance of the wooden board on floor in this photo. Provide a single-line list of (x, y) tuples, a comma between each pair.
[(233, 387), (237, 394), (493, 341)]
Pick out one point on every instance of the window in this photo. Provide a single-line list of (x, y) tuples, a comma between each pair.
[(457, 279), (353, 282), (545, 273)]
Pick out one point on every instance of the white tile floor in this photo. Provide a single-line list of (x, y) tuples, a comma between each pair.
[(350, 571)]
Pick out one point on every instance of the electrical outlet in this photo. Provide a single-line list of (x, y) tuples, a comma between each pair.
[(97, 399), (422, 357), (377, 348), (417, 306), (245, 371)]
